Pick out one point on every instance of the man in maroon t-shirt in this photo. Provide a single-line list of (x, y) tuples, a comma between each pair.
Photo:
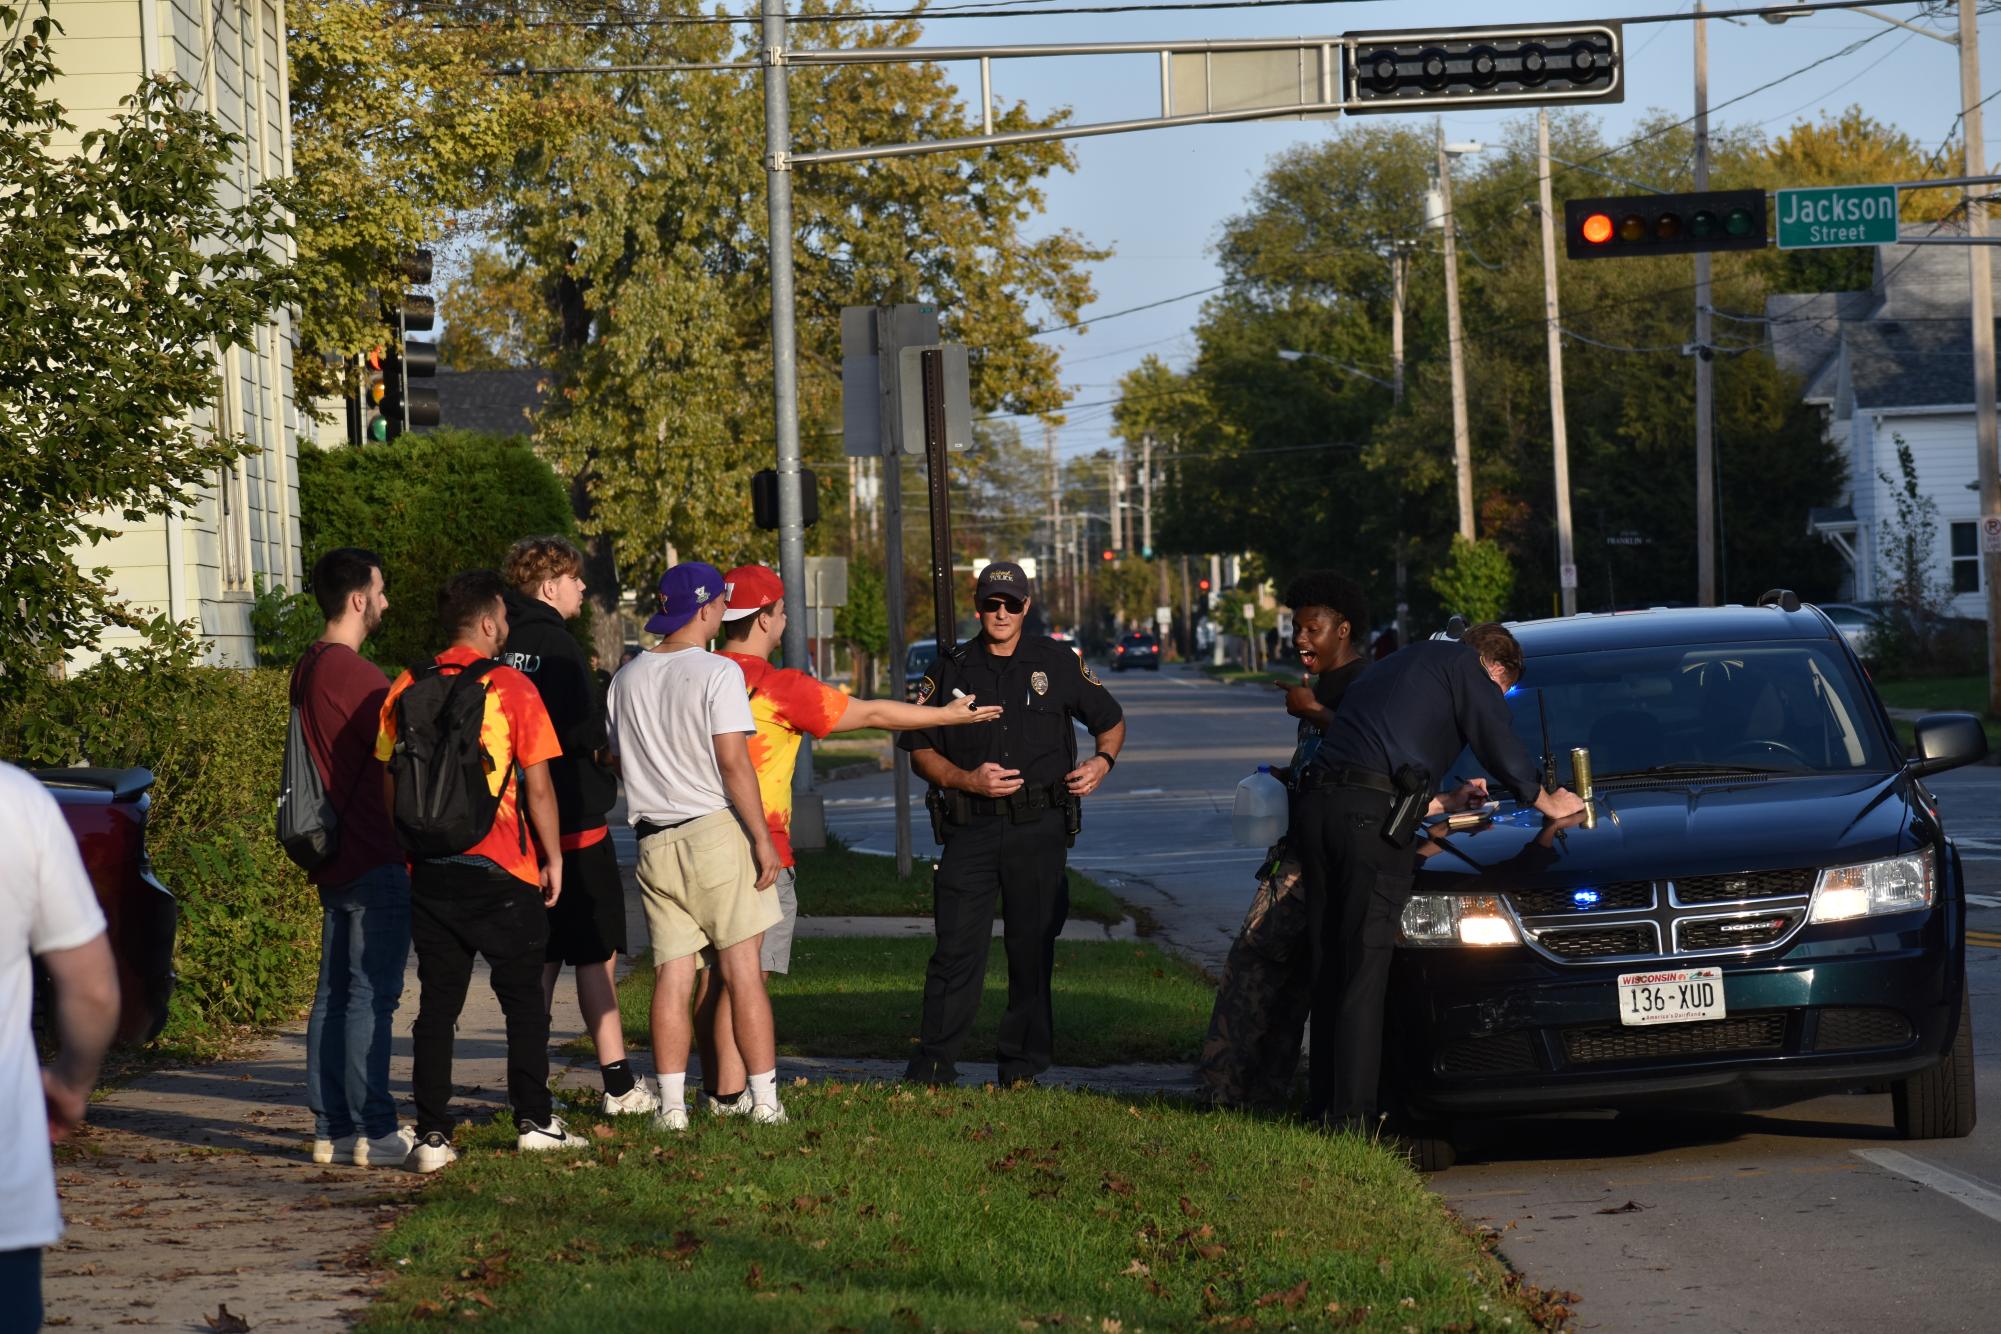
[(365, 889)]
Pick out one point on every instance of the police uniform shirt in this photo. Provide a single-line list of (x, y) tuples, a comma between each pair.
[(1041, 686), (1422, 705)]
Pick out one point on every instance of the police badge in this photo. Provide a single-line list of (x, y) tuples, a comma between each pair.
[(1039, 682), (925, 689)]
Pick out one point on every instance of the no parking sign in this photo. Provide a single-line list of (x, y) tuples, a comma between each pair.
[(1990, 533)]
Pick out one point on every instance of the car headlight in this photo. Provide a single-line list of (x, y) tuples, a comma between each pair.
[(1895, 884), (1456, 919)]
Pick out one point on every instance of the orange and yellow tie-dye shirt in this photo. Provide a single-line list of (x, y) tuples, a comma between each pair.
[(515, 729), (785, 704)]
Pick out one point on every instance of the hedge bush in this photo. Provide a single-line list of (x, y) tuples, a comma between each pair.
[(247, 950), (429, 505)]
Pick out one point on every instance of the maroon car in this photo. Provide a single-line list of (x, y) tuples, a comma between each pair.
[(106, 810)]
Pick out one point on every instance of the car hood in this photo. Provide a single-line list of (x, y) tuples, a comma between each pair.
[(1710, 829)]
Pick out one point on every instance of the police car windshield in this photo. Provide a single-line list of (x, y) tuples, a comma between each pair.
[(1777, 708)]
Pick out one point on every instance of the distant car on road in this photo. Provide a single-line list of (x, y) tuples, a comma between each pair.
[(1138, 649), (1763, 907), (107, 811), (1854, 619)]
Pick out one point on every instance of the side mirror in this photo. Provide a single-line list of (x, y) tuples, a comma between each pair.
[(1946, 741)]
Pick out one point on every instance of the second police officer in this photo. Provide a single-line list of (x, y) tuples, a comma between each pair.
[(1006, 801)]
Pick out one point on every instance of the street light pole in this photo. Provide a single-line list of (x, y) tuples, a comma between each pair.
[(1462, 443), (1986, 438), (1559, 440), (1705, 444)]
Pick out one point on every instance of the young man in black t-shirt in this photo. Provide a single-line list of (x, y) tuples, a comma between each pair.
[(1252, 1050)]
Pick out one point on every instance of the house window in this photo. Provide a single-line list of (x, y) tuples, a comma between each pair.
[(1966, 558)]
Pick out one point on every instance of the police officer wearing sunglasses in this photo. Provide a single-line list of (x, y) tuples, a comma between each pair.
[(1006, 801)]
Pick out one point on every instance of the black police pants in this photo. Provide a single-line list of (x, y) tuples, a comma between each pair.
[(1022, 867), (1357, 884)]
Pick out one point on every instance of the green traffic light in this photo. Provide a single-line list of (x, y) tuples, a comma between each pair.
[(1703, 226), (1739, 222), (378, 429)]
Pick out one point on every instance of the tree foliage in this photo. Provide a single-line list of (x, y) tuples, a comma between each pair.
[(123, 273)]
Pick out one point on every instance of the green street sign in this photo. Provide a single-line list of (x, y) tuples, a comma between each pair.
[(1836, 215)]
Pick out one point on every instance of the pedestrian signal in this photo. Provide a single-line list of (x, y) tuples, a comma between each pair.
[(1682, 224)]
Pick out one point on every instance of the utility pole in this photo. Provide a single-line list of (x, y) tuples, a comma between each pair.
[(1705, 387), (1146, 497), (1462, 443), (1987, 441), (784, 345), (1117, 490), (1055, 520), (1215, 593), (1187, 612), (1399, 273), (1566, 556)]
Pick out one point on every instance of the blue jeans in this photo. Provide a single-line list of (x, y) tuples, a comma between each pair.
[(21, 1289), (364, 945)]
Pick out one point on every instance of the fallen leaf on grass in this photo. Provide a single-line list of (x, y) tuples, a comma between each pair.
[(755, 1278), (1629, 1207), (1288, 1298), (222, 1322), (1137, 1269), (602, 1131), (1188, 1208), (1116, 1184)]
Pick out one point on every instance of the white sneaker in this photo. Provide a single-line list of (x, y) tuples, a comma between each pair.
[(535, 1138), (432, 1153), (387, 1150), (671, 1118), (635, 1101), (774, 1115), (740, 1105), (334, 1150)]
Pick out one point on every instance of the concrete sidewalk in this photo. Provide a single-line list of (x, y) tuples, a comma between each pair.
[(191, 1188)]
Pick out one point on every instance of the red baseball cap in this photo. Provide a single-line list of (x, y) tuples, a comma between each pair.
[(752, 588)]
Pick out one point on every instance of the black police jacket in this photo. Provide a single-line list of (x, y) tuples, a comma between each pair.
[(541, 647), (1042, 686)]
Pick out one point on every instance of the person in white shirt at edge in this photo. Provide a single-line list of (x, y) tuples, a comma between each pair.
[(680, 726), (48, 913)]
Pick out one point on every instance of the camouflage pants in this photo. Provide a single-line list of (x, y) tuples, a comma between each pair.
[(1252, 1051)]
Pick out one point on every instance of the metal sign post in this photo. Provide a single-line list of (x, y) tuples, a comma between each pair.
[(932, 378)]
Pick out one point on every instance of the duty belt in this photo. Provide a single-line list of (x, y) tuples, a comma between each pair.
[(1048, 798), (1345, 775)]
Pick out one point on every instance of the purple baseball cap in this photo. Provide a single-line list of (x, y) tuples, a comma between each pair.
[(685, 590)]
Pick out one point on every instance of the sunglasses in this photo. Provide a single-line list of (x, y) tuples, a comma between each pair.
[(1008, 605)]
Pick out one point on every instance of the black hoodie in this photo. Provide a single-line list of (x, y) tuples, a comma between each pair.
[(541, 647)]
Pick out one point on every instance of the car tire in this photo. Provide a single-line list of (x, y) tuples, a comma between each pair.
[(1938, 1103), (1428, 1145)]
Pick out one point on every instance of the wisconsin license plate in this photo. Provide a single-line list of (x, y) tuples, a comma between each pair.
[(1675, 996)]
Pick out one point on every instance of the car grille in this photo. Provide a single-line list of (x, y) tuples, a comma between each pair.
[(1748, 885), (1601, 942), (1848, 1028), (1746, 1033), (1623, 896), (1500, 1054), (1735, 933)]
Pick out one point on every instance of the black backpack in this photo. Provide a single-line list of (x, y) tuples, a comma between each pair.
[(443, 803)]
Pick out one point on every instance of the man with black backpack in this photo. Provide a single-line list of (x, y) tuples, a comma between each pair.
[(345, 843), (468, 745)]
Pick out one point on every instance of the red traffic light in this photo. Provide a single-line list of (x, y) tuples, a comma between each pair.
[(1108, 553), (1202, 584), (1597, 228)]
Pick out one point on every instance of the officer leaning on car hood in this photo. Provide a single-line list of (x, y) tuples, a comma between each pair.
[(1401, 725)]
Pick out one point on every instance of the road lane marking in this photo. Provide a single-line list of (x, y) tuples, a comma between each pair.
[(1986, 940), (1984, 900), (1982, 1199)]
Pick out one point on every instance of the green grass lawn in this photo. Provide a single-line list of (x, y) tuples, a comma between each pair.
[(841, 883), (889, 1208), (1116, 1001), (827, 760), (1940, 694)]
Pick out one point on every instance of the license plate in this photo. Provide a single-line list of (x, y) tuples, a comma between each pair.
[(1676, 996)]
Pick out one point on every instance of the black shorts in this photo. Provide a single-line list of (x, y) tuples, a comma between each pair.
[(587, 925)]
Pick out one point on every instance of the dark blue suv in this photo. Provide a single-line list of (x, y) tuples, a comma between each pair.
[(1760, 905)]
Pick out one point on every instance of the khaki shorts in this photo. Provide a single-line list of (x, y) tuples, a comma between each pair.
[(774, 953), (698, 884)]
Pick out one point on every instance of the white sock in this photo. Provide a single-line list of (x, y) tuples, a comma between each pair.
[(764, 1088), (674, 1089)]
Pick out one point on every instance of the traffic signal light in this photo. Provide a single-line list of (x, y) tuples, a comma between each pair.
[(402, 404), (1664, 224), (764, 498), (1109, 554), (1554, 64)]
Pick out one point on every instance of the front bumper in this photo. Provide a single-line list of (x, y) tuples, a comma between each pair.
[(1501, 1030)]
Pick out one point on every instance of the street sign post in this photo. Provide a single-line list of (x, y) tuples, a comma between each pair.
[(1836, 215)]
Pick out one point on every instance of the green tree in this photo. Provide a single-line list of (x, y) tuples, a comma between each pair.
[(649, 235), (496, 317), (1477, 582), (124, 272)]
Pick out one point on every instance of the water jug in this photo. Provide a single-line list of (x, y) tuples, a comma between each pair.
[(1258, 818)]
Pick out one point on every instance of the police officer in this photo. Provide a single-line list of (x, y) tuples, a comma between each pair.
[(1400, 726), (1005, 799)]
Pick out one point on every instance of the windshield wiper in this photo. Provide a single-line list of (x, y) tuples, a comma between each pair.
[(1698, 766)]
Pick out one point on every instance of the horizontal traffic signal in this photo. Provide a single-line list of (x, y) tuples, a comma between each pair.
[(1682, 224), (1551, 65)]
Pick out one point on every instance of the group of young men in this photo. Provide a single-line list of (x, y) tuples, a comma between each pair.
[(473, 796)]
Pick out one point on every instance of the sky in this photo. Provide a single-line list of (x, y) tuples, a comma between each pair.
[(1160, 197)]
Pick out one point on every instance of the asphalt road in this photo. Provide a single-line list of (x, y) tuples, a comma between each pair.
[(1814, 1217)]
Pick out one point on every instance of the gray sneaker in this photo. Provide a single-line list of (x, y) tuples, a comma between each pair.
[(385, 1150), (774, 1115), (740, 1105), (635, 1101)]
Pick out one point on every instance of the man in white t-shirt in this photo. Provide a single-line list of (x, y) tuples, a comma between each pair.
[(48, 912), (681, 726)]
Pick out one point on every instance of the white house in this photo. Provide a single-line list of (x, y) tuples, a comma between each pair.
[(202, 565)]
